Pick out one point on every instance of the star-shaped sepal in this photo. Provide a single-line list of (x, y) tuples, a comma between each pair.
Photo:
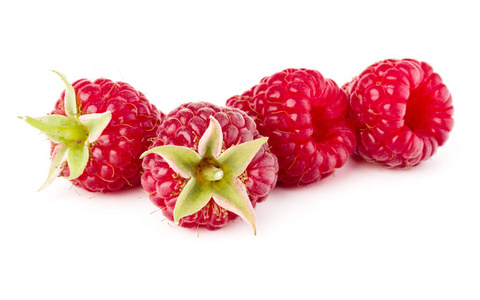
[(212, 174), (72, 135)]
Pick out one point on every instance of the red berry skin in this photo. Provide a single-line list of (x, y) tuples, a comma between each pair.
[(183, 127), (304, 116), (402, 111), (114, 162)]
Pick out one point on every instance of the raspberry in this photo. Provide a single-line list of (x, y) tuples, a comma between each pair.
[(304, 115), (183, 159), (99, 129), (403, 112)]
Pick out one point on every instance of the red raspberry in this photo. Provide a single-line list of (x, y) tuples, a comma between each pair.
[(111, 161), (303, 114), (185, 126), (403, 112)]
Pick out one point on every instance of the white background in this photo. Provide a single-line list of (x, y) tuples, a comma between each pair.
[(366, 233)]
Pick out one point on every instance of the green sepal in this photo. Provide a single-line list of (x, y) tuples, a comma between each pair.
[(181, 159), (47, 123), (58, 128), (96, 124), (210, 143), (194, 196), (57, 164), (236, 159), (71, 108), (77, 159), (232, 195), (68, 130)]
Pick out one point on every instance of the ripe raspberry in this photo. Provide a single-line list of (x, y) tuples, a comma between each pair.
[(98, 131), (403, 112), (303, 114), (213, 132)]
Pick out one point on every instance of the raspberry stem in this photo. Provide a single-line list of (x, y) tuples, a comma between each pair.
[(211, 173)]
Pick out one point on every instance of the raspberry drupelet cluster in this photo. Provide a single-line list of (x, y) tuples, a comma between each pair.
[(402, 112), (304, 115)]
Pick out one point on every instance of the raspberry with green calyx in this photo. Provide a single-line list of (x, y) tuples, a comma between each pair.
[(98, 131), (215, 176)]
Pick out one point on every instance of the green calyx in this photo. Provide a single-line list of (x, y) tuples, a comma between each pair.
[(211, 174), (72, 135)]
